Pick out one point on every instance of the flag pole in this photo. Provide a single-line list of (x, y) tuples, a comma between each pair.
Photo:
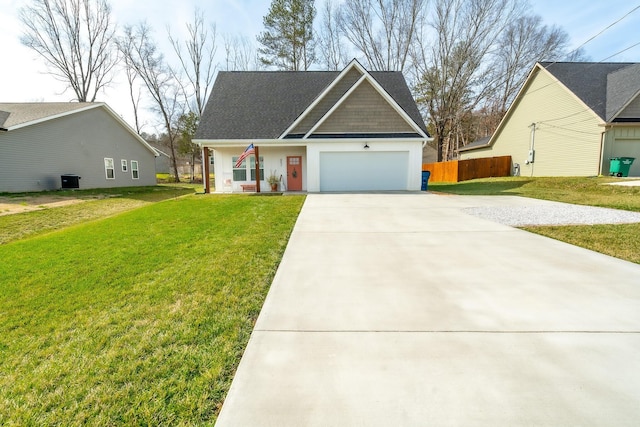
[(257, 154)]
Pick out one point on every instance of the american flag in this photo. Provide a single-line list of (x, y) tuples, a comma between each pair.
[(247, 152)]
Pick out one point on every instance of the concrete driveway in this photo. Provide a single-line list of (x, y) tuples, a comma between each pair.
[(402, 310)]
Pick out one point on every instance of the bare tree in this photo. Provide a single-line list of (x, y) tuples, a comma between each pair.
[(75, 39), (333, 52), (384, 31), (142, 56), (240, 54), (134, 89), (454, 76), (198, 62), (524, 42)]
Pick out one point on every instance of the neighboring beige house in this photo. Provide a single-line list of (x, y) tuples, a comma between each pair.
[(88, 143), (569, 119), (352, 130)]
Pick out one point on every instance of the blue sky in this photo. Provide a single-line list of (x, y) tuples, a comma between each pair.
[(23, 77)]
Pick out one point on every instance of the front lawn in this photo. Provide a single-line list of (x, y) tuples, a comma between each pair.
[(98, 203), (618, 240), (140, 318)]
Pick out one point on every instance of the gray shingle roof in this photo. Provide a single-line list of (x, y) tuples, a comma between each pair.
[(25, 112), (587, 80), (262, 105), (622, 86), (4, 115), (482, 142)]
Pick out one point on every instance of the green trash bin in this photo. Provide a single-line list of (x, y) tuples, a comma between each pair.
[(619, 166)]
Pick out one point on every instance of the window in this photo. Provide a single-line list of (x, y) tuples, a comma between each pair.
[(124, 165), (109, 168), (134, 169), (252, 161), (240, 174)]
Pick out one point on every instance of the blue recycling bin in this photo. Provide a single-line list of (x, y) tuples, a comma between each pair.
[(425, 180)]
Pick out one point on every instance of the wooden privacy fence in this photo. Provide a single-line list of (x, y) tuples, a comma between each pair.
[(464, 170)]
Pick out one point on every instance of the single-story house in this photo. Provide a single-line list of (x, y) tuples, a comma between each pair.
[(570, 119), (352, 130), (87, 142)]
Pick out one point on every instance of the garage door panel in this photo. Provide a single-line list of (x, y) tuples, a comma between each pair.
[(364, 171)]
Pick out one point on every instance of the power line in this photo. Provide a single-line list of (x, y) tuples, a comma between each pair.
[(588, 41), (603, 30), (570, 130), (622, 51), (546, 122), (592, 64)]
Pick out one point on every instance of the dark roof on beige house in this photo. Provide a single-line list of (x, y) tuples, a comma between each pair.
[(262, 105), (623, 86), (600, 85)]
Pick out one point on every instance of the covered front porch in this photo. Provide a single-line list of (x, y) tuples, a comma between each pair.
[(286, 165)]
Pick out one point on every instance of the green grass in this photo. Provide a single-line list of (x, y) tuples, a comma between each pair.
[(113, 201), (140, 318), (618, 240)]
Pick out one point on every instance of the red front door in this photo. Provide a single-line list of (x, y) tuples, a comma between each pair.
[(294, 173)]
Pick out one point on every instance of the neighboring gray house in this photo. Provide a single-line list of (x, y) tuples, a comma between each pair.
[(352, 130), (40, 142)]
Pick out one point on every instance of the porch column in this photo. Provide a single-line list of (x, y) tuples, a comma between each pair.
[(205, 170), (257, 155)]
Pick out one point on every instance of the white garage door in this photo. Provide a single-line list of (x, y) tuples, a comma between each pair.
[(364, 171)]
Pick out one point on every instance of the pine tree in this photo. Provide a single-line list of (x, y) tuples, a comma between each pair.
[(288, 36)]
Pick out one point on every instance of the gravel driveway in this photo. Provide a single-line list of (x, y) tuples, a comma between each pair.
[(552, 213)]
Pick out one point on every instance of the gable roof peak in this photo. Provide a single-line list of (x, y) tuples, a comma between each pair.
[(587, 80), (364, 76), (623, 86)]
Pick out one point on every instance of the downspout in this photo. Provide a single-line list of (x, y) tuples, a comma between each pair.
[(601, 151)]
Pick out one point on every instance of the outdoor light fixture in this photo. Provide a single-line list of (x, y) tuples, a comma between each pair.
[(366, 146)]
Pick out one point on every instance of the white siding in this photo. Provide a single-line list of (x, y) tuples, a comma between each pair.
[(275, 161), (567, 138), (33, 158)]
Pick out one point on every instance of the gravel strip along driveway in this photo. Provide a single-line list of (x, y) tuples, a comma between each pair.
[(553, 213)]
